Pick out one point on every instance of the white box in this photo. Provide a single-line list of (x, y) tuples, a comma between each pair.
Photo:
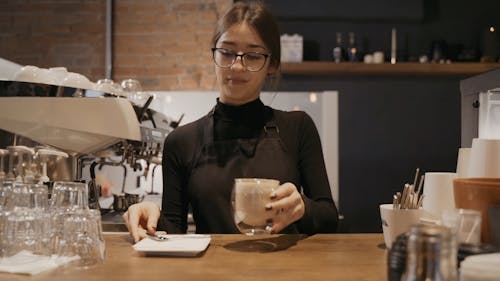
[(291, 48)]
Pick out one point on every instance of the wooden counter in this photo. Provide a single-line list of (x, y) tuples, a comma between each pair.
[(236, 257)]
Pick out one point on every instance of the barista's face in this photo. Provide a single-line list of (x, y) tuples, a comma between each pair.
[(237, 84)]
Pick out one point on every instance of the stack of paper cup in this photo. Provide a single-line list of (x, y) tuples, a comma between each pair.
[(438, 193), (463, 162), (484, 159)]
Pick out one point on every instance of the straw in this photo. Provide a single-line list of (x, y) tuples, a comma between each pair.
[(420, 184), (476, 223), (420, 201), (409, 198), (416, 177)]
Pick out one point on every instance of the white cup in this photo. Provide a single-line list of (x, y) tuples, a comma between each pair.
[(368, 58), (463, 162), (378, 57), (484, 159), (27, 73), (76, 80), (57, 75), (438, 193), (397, 221)]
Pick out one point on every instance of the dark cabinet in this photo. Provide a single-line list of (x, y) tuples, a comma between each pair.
[(388, 126)]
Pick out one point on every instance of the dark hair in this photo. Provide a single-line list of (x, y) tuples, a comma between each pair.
[(257, 16)]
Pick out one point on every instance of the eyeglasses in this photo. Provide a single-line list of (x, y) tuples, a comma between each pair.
[(252, 61)]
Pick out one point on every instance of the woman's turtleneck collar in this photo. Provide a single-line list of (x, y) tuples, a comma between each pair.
[(240, 121), (251, 113)]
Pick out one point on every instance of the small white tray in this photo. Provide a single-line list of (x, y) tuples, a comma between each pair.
[(187, 245)]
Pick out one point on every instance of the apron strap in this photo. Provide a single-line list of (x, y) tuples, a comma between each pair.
[(247, 147), (271, 129), (205, 133), (209, 128)]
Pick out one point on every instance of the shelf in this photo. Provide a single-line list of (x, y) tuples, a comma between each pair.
[(309, 68)]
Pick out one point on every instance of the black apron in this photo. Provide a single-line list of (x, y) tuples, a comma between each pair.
[(217, 163)]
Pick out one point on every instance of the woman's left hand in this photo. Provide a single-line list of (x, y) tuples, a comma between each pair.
[(286, 206)]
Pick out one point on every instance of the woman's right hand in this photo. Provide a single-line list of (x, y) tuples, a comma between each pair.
[(141, 219)]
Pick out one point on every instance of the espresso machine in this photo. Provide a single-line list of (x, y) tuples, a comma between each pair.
[(72, 128)]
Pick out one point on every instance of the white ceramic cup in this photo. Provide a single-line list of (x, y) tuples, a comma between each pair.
[(397, 221), (27, 73), (368, 58), (438, 193), (57, 75), (76, 80), (463, 162), (484, 159), (378, 57)]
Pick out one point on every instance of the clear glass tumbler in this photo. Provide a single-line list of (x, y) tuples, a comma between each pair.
[(81, 236), (249, 198), (69, 196)]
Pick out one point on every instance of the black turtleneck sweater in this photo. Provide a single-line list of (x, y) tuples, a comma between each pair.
[(298, 133), (244, 121)]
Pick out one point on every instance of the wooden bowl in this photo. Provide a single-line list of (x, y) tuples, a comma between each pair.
[(478, 194)]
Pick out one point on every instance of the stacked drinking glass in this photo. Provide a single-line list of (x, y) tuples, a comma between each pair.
[(52, 223)]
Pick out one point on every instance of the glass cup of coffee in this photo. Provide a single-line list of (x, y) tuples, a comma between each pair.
[(249, 198)]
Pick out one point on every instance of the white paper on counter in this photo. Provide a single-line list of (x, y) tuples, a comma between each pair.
[(25, 262)]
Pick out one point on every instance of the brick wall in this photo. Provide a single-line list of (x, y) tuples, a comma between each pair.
[(162, 43), (166, 44), (44, 33)]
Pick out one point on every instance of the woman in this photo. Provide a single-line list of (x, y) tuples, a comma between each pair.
[(241, 137)]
